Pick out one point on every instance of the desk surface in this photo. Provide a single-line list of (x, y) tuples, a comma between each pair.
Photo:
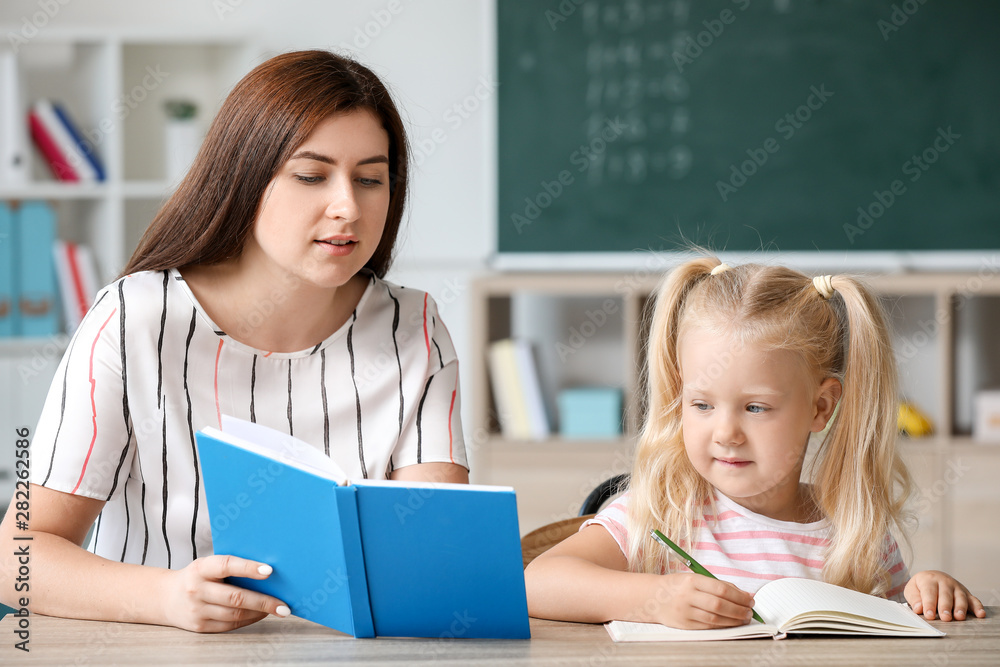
[(294, 641)]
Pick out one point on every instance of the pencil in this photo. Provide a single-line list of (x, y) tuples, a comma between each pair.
[(694, 565)]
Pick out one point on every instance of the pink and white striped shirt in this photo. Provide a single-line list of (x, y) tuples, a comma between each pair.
[(748, 549)]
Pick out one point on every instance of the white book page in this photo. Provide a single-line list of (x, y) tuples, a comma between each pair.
[(278, 446), (430, 485), (628, 631), (792, 604)]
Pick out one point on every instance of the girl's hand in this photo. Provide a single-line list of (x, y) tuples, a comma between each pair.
[(696, 602), (931, 591), (197, 599)]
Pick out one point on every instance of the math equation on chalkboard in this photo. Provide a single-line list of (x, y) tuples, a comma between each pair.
[(740, 124)]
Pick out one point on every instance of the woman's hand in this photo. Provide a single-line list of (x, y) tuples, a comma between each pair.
[(931, 591), (695, 602), (196, 598)]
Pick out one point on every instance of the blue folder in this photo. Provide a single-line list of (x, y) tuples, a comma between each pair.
[(369, 558), (8, 285), (35, 224)]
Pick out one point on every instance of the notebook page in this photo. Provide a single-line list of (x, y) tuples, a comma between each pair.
[(281, 447), (780, 601), (627, 631)]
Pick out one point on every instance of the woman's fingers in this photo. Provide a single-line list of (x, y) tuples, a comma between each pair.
[(220, 567), (214, 569)]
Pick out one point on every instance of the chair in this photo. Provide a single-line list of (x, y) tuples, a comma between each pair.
[(544, 538), (604, 492)]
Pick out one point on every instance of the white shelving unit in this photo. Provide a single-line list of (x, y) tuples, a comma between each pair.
[(113, 86), (934, 316)]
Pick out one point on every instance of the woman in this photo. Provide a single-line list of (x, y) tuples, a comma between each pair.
[(257, 291)]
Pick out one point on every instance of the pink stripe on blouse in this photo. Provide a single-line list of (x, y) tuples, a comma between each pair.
[(735, 572), (427, 340), (762, 556), (218, 410), (451, 411), (93, 403), (771, 534)]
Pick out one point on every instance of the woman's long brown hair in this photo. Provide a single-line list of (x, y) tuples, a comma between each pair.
[(265, 118)]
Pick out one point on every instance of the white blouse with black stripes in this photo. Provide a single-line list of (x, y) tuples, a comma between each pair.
[(148, 368)]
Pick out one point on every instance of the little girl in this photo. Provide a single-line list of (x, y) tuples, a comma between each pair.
[(745, 363), (257, 292)]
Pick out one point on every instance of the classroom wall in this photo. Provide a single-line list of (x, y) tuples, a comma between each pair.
[(438, 58)]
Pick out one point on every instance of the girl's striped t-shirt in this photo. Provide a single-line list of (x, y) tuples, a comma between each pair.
[(749, 549), (147, 369)]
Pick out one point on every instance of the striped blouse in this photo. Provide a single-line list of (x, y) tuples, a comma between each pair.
[(748, 549), (148, 368)]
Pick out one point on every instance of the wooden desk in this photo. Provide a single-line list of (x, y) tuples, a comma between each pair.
[(294, 641)]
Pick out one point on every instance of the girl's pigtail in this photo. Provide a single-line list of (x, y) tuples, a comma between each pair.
[(656, 501), (862, 483)]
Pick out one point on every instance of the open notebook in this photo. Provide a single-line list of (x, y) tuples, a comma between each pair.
[(800, 606)]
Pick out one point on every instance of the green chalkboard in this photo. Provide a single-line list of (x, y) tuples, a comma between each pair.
[(788, 124)]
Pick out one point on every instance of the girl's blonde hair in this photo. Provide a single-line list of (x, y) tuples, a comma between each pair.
[(859, 480)]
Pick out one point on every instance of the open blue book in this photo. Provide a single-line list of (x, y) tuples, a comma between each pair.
[(368, 558)]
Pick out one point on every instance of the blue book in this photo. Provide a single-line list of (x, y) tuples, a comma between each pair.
[(35, 231), (368, 558), (8, 273), (86, 148)]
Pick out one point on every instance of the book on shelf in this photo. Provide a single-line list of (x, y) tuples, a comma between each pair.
[(15, 158), (368, 558), (58, 139), (9, 325), (517, 390), (531, 389), (799, 607), (77, 275), (35, 289), (86, 148)]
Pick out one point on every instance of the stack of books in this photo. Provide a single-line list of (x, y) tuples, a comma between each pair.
[(517, 391), (69, 155)]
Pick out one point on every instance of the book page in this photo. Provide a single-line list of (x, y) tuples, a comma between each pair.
[(807, 605), (627, 631), (280, 447), (413, 484)]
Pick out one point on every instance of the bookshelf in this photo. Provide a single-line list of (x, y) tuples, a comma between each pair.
[(935, 318), (114, 85)]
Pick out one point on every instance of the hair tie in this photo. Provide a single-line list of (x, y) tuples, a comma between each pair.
[(720, 268), (824, 285)]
